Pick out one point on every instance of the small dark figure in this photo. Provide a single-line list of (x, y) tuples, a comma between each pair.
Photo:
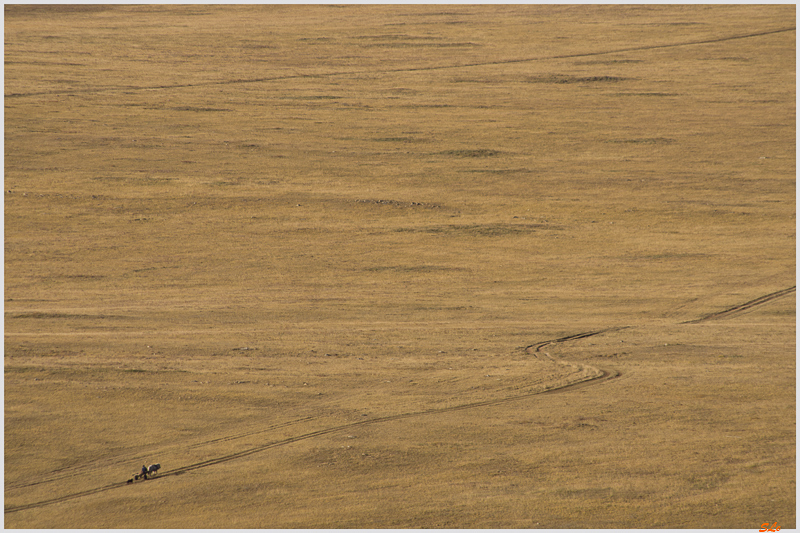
[(144, 470), (130, 480)]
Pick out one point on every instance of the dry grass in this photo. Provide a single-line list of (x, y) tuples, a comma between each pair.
[(296, 255)]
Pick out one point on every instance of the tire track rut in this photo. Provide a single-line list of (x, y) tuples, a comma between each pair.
[(602, 375), (540, 345), (95, 90), (80, 470), (745, 306)]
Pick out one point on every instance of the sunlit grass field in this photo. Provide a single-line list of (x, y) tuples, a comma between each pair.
[(407, 266)]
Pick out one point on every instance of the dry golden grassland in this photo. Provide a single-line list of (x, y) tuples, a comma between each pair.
[(309, 259)]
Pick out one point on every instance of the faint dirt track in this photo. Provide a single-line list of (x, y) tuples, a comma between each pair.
[(602, 375), (745, 306), (416, 69)]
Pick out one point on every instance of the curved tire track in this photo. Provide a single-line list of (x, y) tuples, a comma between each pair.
[(577, 336), (603, 376)]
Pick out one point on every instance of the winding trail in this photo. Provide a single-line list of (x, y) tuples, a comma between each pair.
[(538, 346), (602, 375)]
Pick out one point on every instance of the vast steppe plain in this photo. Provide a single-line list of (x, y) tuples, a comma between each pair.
[(408, 266)]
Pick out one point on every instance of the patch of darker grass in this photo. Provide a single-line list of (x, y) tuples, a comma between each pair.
[(399, 36), (162, 371), (609, 61), (200, 109), (479, 230), (22, 369), (591, 493), (414, 268), (472, 153), (397, 203), (431, 106), (418, 45), (399, 139), (708, 480), (313, 97), (670, 255), (560, 79), (63, 316), (781, 312), (647, 94), (11, 10), (495, 170), (644, 140)]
